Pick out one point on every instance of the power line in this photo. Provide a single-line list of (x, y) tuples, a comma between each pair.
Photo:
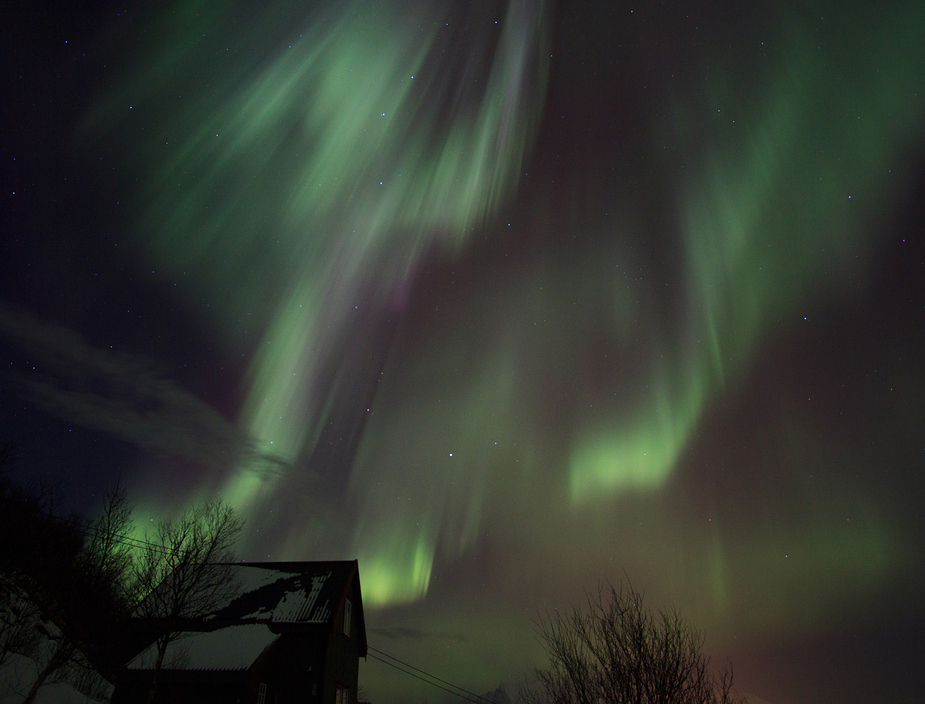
[(433, 684), (467, 695), (428, 674), (90, 530), (407, 672)]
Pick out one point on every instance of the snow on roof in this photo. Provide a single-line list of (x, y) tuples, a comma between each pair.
[(272, 597), (299, 605), (301, 593), (231, 648), (283, 592)]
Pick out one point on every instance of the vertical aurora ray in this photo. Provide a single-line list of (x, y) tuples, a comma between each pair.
[(422, 474), (312, 163), (433, 187), (781, 208), (363, 270), (305, 184)]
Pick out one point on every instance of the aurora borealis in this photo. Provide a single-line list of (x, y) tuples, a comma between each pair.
[(502, 299)]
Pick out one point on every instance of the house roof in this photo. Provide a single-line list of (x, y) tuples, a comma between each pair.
[(293, 592), (231, 648), (283, 596)]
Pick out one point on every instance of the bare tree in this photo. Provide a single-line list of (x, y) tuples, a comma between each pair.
[(107, 558), (86, 608), (62, 580), (620, 652), (184, 572), (18, 619)]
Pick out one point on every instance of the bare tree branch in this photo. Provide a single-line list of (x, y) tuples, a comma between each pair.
[(617, 651), (184, 572)]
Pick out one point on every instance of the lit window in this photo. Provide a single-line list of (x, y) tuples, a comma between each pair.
[(262, 694), (341, 695), (348, 613)]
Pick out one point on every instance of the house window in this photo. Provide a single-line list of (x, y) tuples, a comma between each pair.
[(348, 614), (262, 693), (340, 695)]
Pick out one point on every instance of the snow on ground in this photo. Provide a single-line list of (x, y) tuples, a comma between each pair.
[(28, 640), (16, 678)]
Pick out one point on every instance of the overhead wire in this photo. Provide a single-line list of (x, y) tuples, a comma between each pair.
[(416, 672), (91, 530), (471, 694), (459, 691)]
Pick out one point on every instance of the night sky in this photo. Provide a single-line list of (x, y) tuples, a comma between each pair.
[(503, 300)]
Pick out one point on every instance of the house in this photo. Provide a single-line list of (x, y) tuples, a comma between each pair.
[(293, 633)]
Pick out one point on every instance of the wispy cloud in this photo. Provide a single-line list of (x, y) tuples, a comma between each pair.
[(118, 393)]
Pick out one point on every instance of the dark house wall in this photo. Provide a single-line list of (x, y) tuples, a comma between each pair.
[(343, 663), (183, 687), (305, 664), (294, 670)]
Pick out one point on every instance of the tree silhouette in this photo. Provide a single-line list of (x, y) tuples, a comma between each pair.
[(87, 599), (184, 572), (620, 652), (62, 581), (107, 556)]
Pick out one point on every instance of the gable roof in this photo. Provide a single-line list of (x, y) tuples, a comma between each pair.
[(287, 592), (231, 648), (284, 596)]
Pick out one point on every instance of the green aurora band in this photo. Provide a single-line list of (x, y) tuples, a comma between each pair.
[(312, 180), (319, 172), (750, 257)]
